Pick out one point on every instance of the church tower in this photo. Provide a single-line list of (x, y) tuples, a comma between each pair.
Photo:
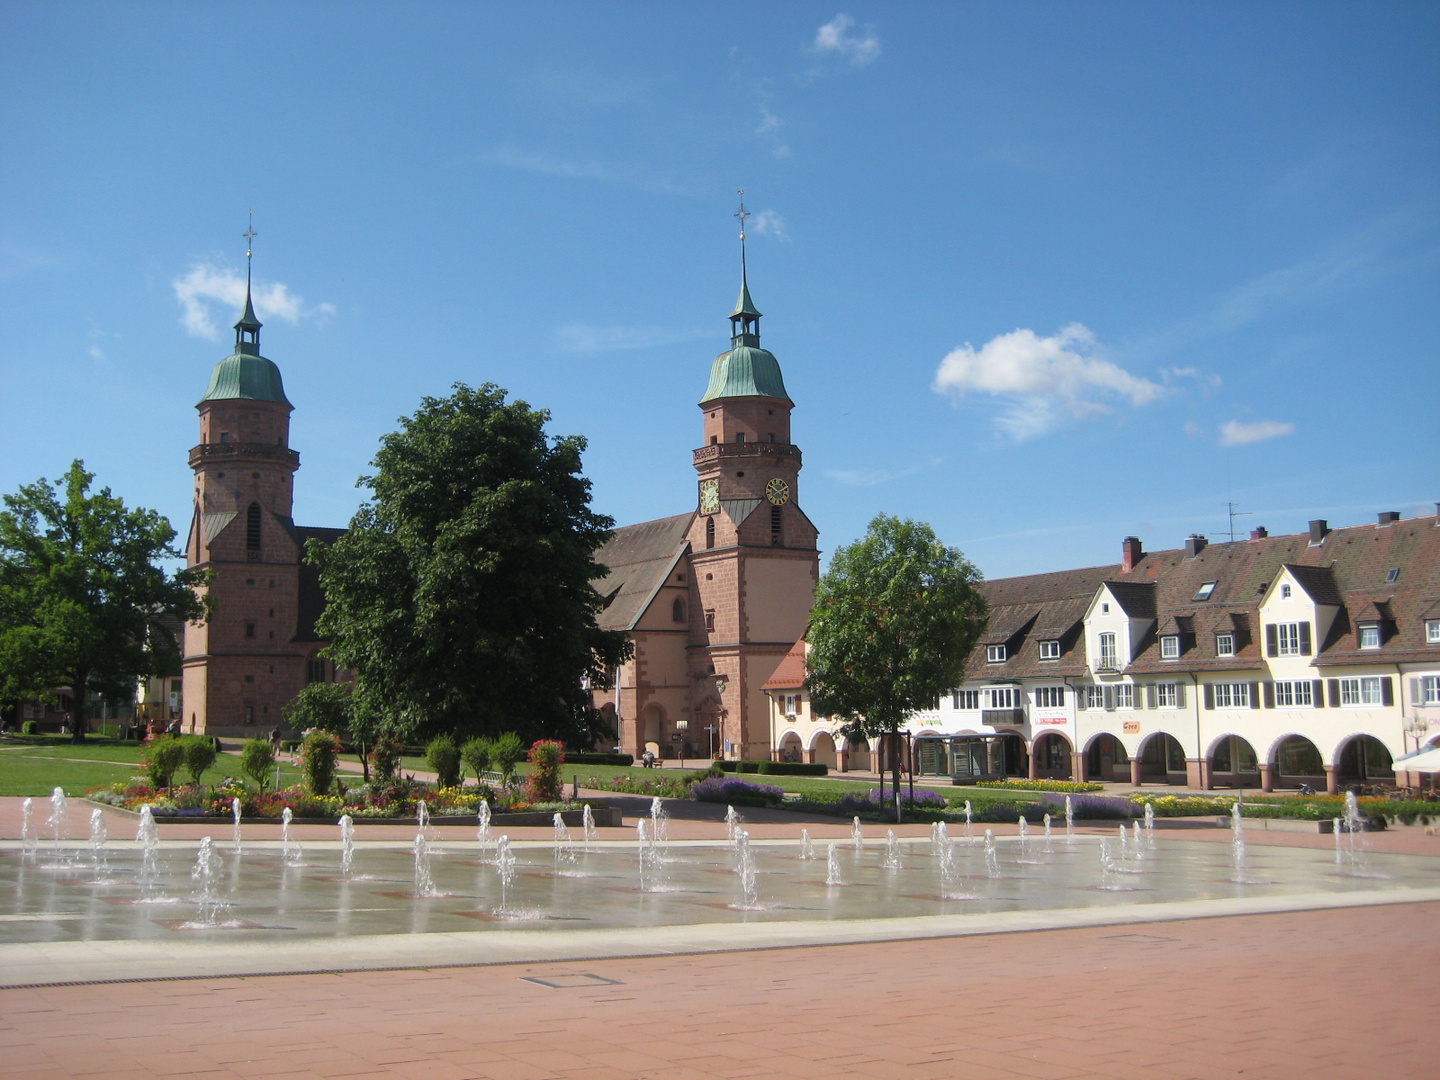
[(242, 667), (754, 563)]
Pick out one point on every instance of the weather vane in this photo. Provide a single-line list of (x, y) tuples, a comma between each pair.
[(249, 232), (742, 214)]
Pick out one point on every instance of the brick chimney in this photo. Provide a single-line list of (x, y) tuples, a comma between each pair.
[(1388, 517), (1259, 534), (1131, 553), (1194, 544), (1318, 528)]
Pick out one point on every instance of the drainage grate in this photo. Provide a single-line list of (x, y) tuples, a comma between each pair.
[(572, 982), (1139, 939)]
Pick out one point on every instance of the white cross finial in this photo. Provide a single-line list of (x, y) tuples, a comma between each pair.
[(742, 213), (249, 233)]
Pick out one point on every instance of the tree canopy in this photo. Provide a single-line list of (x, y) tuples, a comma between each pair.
[(83, 603), (462, 595), (895, 617)]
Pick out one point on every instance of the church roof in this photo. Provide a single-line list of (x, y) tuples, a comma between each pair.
[(312, 595), (639, 558), (745, 371), (248, 377), (790, 675)]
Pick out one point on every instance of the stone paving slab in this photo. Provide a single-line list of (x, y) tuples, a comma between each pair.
[(1339, 993)]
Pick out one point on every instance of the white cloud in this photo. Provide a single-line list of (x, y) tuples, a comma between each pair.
[(1235, 433), (869, 477), (208, 284), (768, 223), (552, 166), (1041, 379), (835, 36), (585, 339), (769, 129), (1206, 378)]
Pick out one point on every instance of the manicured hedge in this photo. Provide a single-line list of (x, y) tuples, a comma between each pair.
[(774, 768), (590, 758)]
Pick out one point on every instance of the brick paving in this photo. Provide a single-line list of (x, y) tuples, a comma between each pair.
[(1325, 994)]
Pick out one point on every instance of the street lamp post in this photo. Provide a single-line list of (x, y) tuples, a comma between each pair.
[(711, 729)]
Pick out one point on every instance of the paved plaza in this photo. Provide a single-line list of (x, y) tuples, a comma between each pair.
[(1337, 992)]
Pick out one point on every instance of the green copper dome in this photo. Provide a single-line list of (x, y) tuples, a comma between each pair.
[(248, 376), (745, 371)]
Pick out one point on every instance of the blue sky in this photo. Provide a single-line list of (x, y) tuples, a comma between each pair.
[(1043, 275)]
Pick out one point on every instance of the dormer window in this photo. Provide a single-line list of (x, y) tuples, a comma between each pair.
[(1104, 609), (1370, 635), (1432, 632), (1224, 644), (1049, 650), (1206, 588), (1284, 592), (1392, 575), (995, 654), (1170, 647)]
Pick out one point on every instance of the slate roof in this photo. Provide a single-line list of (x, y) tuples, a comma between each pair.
[(639, 558), (312, 596), (1052, 608)]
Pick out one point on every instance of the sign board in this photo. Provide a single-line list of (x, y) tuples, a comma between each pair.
[(1052, 721), (675, 737), (728, 748), (1132, 727)]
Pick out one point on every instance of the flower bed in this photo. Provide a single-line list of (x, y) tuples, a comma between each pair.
[(718, 789), (1069, 787)]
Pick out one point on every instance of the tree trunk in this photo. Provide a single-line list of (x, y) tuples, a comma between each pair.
[(79, 695), (895, 769)]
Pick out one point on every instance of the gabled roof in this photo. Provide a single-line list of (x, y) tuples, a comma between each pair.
[(639, 559), (1318, 583), (1136, 598), (790, 675)]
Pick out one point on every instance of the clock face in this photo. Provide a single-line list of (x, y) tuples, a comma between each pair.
[(778, 492), (710, 496)]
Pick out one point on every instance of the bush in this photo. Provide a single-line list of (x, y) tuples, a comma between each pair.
[(317, 761), (853, 802), (257, 758), (505, 753), (738, 792), (585, 757), (443, 757), (163, 759), (199, 755), (546, 757), (476, 756), (29, 727), (1092, 807), (774, 768), (385, 758)]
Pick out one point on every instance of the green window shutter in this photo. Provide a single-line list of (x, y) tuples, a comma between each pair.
[(1255, 695), (1150, 696), (1209, 696), (1334, 693), (1317, 692), (1269, 695), (1272, 640), (1304, 639), (1180, 694), (1387, 691)]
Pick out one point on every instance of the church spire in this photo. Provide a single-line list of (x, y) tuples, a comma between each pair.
[(247, 330), (745, 319)]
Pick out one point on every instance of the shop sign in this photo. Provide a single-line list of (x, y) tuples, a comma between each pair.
[(1132, 727)]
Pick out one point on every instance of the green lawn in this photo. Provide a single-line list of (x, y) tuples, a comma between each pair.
[(40, 767)]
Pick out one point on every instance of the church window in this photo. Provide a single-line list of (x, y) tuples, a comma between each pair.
[(710, 621), (224, 436), (714, 440), (252, 527), (776, 526), (772, 436), (741, 475), (710, 532), (739, 436), (254, 476), (677, 610), (249, 714), (249, 629)]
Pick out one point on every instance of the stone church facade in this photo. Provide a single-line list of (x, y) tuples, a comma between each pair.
[(259, 649), (714, 598)]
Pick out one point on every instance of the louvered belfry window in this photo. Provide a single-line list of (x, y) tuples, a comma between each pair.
[(252, 527)]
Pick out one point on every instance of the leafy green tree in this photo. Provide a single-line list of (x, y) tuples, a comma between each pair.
[(317, 761), (895, 617), (200, 754), (327, 706), (83, 602), (257, 759), (476, 756), (507, 751), (463, 593), (443, 757), (163, 761)]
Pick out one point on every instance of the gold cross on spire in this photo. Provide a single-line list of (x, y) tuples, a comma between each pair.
[(742, 214), (249, 232)]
